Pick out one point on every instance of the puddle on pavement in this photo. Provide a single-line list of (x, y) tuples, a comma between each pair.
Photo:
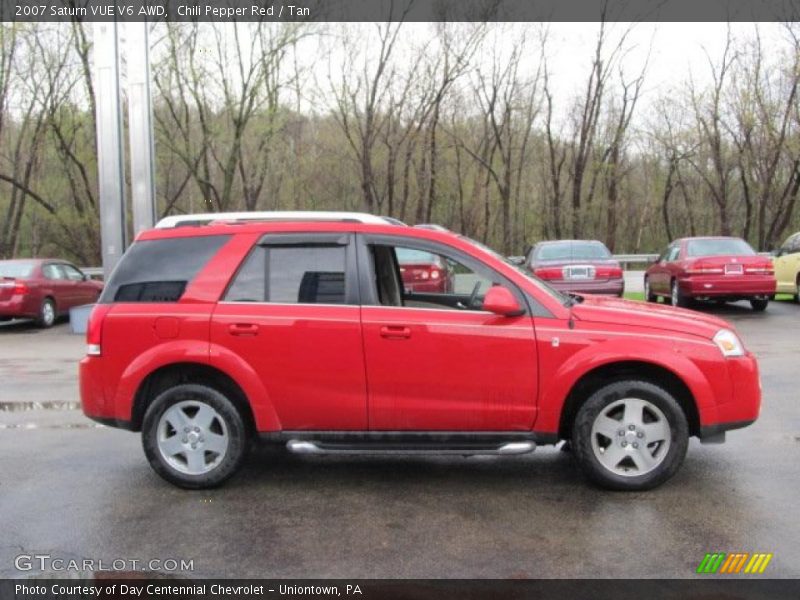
[(50, 405), (89, 425)]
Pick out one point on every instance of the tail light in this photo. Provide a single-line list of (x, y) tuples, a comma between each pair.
[(705, 271), (20, 288), (435, 273), (94, 329), (761, 270), (548, 273), (609, 272)]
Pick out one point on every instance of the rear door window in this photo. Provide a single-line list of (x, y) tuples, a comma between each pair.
[(160, 270), (296, 274)]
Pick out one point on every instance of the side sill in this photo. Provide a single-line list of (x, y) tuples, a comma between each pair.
[(412, 437)]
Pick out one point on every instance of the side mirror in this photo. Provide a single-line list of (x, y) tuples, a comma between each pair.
[(500, 301), (517, 260)]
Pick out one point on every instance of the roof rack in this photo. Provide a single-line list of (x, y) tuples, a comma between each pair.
[(275, 215), (431, 226)]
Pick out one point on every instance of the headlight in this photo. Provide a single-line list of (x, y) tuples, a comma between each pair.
[(729, 343)]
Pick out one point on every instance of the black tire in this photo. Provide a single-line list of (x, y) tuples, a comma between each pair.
[(234, 428), (604, 398), (47, 314), (677, 298), (797, 290), (649, 296), (759, 304)]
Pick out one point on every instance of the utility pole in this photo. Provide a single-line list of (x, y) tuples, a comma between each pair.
[(111, 184), (140, 125)]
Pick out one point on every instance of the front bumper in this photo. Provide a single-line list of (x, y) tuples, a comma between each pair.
[(742, 407)]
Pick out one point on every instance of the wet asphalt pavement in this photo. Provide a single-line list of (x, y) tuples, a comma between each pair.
[(74, 490)]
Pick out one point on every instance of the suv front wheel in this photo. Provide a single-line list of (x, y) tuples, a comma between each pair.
[(194, 436), (630, 435)]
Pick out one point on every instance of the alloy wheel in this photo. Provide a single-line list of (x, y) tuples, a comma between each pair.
[(192, 437), (631, 437)]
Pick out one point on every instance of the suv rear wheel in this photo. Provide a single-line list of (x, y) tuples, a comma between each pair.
[(630, 435), (194, 436)]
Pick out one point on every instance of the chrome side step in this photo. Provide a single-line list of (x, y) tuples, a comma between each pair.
[(315, 447)]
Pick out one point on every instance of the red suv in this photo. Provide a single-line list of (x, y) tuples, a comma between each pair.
[(303, 333)]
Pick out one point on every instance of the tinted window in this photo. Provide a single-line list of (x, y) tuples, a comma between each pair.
[(72, 273), (53, 272), (18, 270), (409, 256), (719, 247), (291, 275), (672, 253), (160, 270), (573, 251), (793, 243)]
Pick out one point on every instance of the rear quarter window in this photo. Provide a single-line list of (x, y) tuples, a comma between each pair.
[(160, 270)]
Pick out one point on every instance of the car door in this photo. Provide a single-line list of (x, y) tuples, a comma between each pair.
[(82, 291), (787, 264), (660, 273), (57, 286), (435, 361), (291, 315)]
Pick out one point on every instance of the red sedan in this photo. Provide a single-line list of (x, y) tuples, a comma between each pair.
[(424, 271), (723, 269), (43, 289)]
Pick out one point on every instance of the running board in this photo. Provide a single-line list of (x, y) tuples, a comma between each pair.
[(464, 449)]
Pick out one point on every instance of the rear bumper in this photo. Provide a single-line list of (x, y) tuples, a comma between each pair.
[(730, 286), (607, 287), (17, 307), (93, 404)]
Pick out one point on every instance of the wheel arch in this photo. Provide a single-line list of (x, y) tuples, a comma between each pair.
[(167, 376), (607, 373)]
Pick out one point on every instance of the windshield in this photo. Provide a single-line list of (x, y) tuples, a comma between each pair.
[(562, 298), (572, 251), (719, 247), (17, 270)]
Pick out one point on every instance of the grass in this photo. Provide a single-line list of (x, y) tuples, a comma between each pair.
[(640, 296)]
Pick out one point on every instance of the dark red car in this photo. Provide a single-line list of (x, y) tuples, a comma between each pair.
[(579, 266), (303, 333), (723, 269), (43, 289), (424, 271)]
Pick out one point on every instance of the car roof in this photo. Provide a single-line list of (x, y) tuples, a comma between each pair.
[(278, 226), (552, 242)]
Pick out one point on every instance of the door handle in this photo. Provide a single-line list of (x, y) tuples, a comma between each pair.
[(396, 332), (243, 329)]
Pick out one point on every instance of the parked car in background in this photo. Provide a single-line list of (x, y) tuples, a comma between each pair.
[(787, 267), (43, 289), (302, 333), (424, 271), (578, 266), (723, 269)]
